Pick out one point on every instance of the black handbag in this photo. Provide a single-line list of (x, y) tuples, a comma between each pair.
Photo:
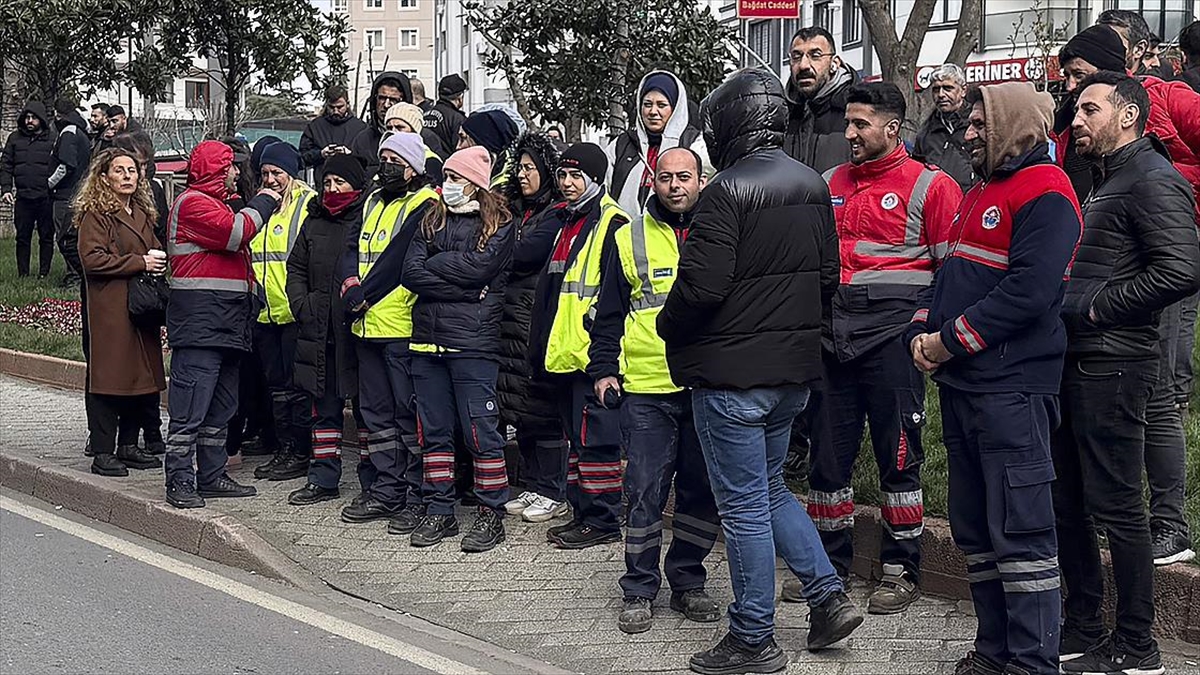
[(148, 296)]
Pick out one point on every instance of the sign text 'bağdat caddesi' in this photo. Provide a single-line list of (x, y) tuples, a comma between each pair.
[(768, 9)]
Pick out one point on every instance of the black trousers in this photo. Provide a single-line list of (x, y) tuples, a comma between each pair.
[(30, 215), (1099, 456), (116, 420), (68, 237), (1166, 445)]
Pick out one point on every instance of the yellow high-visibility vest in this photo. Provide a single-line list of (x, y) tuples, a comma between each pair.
[(649, 255), (392, 316), (567, 346), (269, 251)]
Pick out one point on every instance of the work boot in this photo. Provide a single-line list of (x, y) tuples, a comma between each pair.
[(226, 487), (553, 533), (733, 655), (135, 458), (367, 510), (433, 529), (106, 464), (158, 447), (832, 621), (312, 494), (586, 536), (975, 663), (182, 495), (793, 590), (485, 533), (696, 605), (263, 471), (254, 446), (407, 520), (636, 616), (895, 593), (294, 465)]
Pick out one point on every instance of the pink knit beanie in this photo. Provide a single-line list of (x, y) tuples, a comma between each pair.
[(474, 164)]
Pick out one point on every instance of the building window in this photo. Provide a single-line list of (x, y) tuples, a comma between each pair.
[(758, 39), (1166, 18), (945, 13), (823, 15), (411, 73), (374, 4), (1053, 21), (408, 4), (851, 24), (196, 94), (373, 39), (409, 38), (341, 6), (788, 28)]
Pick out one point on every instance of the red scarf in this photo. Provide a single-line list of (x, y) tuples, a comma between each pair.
[(337, 202)]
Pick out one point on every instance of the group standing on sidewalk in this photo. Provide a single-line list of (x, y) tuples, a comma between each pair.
[(656, 318)]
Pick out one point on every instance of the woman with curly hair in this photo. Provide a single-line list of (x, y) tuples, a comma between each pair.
[(115, 215)]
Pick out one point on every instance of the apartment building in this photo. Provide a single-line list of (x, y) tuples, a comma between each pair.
[(459, 48), (388, 35)]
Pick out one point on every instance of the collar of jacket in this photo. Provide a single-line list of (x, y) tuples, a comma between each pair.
[(877, 167), (955, 119), (678, 221), (1115, 160)]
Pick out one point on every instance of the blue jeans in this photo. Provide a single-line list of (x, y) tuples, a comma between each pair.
[(744, 436)]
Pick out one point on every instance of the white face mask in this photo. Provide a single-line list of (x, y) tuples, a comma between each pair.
[(454, 194)]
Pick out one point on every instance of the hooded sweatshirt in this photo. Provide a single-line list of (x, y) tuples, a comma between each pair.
[(816, 130), (366, 143), (72, 153), (996, 298), (25, 166), (634, 154)]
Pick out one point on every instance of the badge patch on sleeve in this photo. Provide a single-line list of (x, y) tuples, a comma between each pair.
[(663, 273)]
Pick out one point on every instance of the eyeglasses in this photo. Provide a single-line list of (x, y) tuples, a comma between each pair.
[(389, 99), (527, 168), (814, 55)]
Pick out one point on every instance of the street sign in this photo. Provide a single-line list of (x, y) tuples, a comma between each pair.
[(768, 9)]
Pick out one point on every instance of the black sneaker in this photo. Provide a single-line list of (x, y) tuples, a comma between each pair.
[(485, 533), (312, 494), (293, 466), (1170, 547), (732, 655), (1073, 644), (226, 487), (367, 510), (832, 621), (263, 471), (586, 536), (696, 605), (254, 446), (408, 519), (182, 495), (135, 458), (1113, 657), (108, 465), (553, 533), (975, 663), (158, 447), (636, 616), (433, 529)]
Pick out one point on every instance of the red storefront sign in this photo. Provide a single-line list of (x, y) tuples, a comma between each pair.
[(768, 9), (999, 70)]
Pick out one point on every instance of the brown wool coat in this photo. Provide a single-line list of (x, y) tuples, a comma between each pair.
[(124, 360)]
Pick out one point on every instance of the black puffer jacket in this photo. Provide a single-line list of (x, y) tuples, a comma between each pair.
[(526, 403), (27, 157), (1139, 253), (460, 289), (942, 143), (762, 257), (314, 294), (816, 128)]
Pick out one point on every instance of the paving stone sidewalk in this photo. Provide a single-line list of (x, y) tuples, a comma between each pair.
[(556, 606)]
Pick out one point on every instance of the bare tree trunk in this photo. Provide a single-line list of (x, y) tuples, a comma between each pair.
[(616, 106), (574, 129), (966, 36)]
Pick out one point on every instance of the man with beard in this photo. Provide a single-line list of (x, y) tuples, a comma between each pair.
[(390, 87), (992, 337), (24, 171), (816, 98), (1139, 254), (331, 133), (940, 142), (98, 125)]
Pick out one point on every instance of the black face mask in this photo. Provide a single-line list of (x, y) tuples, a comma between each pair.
[(391, 178)]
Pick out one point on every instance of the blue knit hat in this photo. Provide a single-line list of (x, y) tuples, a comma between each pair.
[(260, 146), (282, 155)]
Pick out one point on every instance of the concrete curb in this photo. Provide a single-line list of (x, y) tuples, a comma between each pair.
[(204, 532), (43, 369)]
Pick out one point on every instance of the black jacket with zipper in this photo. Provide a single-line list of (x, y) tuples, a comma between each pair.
[(942, 143), (25, 167), (1139, 254)]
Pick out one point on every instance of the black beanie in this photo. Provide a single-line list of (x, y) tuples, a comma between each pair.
[(1099, 46), (493, 129), (260, 146), (348, 168), (588, 158), (451, 86)]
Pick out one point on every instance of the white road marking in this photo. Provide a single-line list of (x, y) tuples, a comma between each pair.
[(292, 610)]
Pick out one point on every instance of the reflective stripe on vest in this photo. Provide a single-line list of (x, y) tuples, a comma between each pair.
[(911, 249), (391, 317), (269, 251), (209, 284), (567, 346), (649, 256)]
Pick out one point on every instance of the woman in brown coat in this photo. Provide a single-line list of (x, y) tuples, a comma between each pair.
[(115, 215)]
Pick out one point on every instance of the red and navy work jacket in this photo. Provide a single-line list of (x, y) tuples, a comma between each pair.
[(893, 221), (997, 296)]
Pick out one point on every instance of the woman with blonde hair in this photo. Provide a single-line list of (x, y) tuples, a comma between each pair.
[(457, 265), (115, 215)]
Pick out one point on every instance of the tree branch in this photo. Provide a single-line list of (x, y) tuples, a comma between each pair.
[(966, 36)]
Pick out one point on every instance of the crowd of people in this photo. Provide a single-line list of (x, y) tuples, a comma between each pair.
[(723, 287)]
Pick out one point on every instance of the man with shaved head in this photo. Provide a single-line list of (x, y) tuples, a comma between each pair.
[(628, 362)]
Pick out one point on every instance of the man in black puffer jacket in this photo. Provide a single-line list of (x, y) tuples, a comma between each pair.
[(24, 172), (742, 325), (1139, 254)]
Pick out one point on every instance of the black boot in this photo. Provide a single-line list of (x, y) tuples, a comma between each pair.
[(732, 655), (107, 464), (485, 533), (433, 529), (263, 471), (832, 621), (312, 494), (254, 447), (182, 495), (157, 447), (294, 465), (133, 457), (224, 486)]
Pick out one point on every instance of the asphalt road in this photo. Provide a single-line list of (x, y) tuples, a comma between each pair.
[(80, 597)]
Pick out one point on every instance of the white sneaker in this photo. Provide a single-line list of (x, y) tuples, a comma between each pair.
[(543, 509), (517, 506)]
